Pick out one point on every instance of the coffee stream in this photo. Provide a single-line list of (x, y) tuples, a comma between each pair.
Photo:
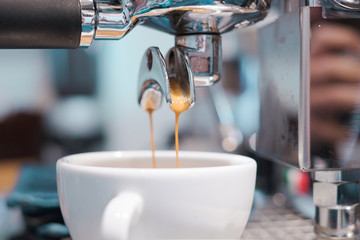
[(152, 138), (180, 102), (150, 109)]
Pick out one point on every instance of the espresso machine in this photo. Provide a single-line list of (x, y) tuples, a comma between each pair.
[(305, 121), (197, 26), (289, 123)]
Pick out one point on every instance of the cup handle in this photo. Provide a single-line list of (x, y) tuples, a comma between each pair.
[(119, 214)]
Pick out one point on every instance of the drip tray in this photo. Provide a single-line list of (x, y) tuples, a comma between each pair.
[(272, 222)]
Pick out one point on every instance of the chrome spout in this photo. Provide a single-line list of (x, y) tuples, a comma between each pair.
[(196, 60), (153, 79), (155, 74)]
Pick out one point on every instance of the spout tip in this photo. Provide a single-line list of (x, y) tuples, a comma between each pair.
[(152, 79), (150, 99)]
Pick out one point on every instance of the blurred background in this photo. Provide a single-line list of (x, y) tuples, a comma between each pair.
[(59, 102)]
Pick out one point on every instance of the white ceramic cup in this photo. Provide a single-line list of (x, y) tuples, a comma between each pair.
[(118, 195)]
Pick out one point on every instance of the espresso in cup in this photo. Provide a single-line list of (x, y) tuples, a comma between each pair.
[(119, 195)]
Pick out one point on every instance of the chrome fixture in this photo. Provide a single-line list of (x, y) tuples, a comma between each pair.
[(309, 113), (196, 24), (111, 19), (336, 199), (205, 56), (195, 61), (88, 22), (155, 74)]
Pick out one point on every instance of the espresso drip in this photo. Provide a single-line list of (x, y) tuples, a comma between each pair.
[(150, 110), (180, 102)]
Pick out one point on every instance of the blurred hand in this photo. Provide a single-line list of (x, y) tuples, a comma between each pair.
[(335, 80)]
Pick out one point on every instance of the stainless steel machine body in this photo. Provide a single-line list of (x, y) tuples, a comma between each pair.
[(197, 26), (287, 70), (310, 97), (111, 19)]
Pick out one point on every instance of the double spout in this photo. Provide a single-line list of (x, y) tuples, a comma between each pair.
[(194, 61), (157, 76)]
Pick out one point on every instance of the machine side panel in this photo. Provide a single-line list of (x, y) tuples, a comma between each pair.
[(279, 90)]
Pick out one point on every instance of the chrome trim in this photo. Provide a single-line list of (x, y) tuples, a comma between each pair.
[(88, 21), (304, 110), (205, 55), (216, 18), (114, 21), (155, 74), (336, 198)]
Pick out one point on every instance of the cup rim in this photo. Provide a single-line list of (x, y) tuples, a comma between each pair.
[(234, 160)]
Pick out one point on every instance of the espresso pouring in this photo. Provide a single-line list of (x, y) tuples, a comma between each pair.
[(180, 102)]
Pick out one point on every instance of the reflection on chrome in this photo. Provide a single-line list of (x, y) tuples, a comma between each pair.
[(335, 92), (310, 107)]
